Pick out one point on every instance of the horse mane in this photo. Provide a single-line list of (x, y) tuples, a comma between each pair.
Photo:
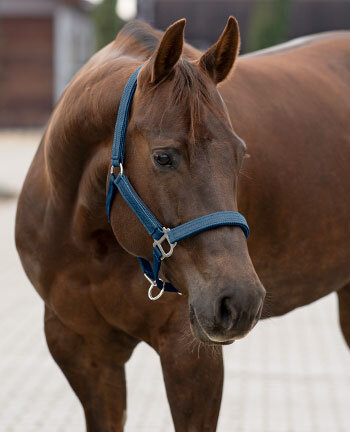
[(140, 39), (145, 35)]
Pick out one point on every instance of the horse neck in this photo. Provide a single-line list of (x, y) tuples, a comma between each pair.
[(77, 144), (83, 120), (77, 175)]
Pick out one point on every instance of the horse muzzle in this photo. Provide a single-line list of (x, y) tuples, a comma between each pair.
[(228, 316)]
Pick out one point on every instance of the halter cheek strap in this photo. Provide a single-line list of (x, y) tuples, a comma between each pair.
[(165, 239)]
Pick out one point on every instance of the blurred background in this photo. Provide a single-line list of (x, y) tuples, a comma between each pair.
[(292, 374), (44, 42)]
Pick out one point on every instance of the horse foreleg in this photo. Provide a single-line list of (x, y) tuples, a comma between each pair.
[(193, 376), (94, 367), (344, 312)]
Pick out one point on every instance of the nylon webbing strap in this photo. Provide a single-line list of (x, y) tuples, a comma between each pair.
[(149, 221), (212, 220), (118, 149)]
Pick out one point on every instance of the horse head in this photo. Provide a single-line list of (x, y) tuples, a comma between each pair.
[(183, 159)]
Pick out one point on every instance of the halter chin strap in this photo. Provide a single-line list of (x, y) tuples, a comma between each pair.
[(165, 239)]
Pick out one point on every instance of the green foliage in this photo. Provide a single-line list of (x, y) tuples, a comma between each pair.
[(268, 24), (107, 22)]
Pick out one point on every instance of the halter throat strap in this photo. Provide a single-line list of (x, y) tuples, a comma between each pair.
[(165, 239)]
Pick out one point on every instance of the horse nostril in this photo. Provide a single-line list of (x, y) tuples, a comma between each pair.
[(227, 313)]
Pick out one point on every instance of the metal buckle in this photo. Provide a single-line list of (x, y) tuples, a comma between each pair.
[(150, 289), (159, 242)]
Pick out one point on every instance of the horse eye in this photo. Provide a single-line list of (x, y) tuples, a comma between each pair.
[(163, 159)]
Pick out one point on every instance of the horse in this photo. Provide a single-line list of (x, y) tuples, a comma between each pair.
[(266, 133)]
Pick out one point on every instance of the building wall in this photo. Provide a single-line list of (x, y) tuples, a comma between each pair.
[(207, 18), (42, 45), (74, 44), (26, 70), (26, 7)]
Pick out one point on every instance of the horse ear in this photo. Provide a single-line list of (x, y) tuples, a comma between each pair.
[(219, 59), (169, 51)]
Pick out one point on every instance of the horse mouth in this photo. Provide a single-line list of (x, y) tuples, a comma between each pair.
[(200, 333)]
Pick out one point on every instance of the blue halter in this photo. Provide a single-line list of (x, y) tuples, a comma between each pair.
[(160, 235)]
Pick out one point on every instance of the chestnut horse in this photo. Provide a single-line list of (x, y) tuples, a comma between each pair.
[(185, 146)]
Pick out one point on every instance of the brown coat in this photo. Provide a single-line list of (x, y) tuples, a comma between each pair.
[(291, 109)]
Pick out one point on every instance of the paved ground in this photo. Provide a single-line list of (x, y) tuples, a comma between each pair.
[(292, 374)]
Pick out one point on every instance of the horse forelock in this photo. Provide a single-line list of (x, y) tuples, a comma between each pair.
[(190, 91), (190, 96)]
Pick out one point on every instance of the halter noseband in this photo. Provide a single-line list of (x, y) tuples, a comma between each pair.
[(161, 236)]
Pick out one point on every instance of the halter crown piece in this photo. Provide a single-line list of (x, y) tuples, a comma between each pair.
[(161, 236)]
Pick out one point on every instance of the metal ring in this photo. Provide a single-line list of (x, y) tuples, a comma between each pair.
[(157, 296), (121, 169)]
